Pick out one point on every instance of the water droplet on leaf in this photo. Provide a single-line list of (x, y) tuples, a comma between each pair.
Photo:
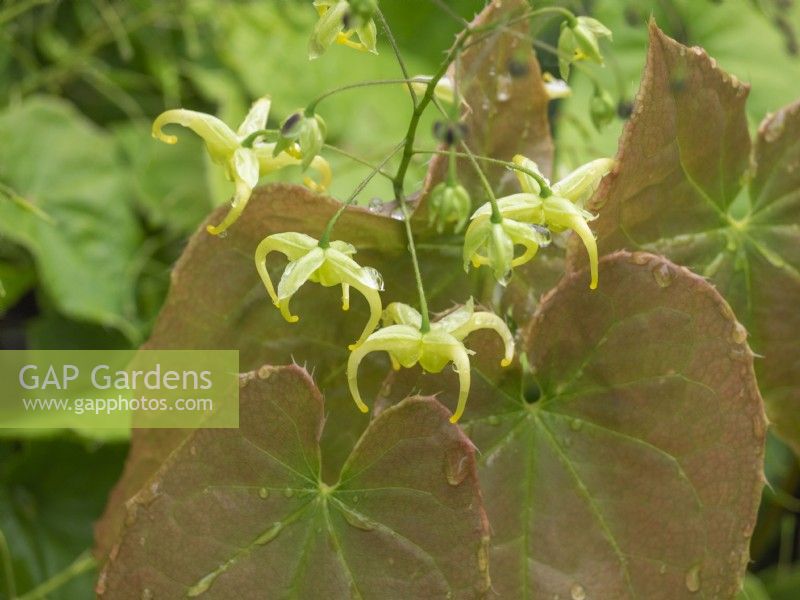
[(456, 465), (577, 592), (269, 535), (693, 579), (503, 88), (288, 492), (663, 275), (263, 492), (358, 521)]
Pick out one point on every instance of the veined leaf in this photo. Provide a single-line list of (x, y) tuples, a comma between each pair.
[(683, 189), (626, 462), (245, 513)]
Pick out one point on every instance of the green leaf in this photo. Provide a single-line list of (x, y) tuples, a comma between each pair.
[(50, 493), (167, 180), (681, 189), (58, 162), (404, 518), (753, 589), (626, 462)]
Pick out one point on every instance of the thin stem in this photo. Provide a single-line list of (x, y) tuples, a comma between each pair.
[(251, 139), (497, 217), (84, 563), (8, 569), (359, 160), (396, 49), (405, 161), (546, 189), (362, 84), (325, 239)]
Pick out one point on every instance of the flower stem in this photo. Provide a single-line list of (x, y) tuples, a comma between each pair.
[(325, 239), (396, 49), (84, 563), (362, 84), (405, 161), (546, 189), (496, 216)]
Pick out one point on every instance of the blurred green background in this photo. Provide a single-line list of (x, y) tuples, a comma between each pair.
[(93, 211)]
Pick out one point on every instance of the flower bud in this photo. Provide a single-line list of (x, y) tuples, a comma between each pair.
[(449, 203), (602, 108), (307, 131)]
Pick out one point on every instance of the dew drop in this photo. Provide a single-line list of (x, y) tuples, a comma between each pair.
[(577, 592), (739, 334), (355, 499), (640, 258), (263, 492), (375, 205), (494, 420), (288, 492), (269, 535), (358, 521), (397, 214), (503, 88), (456, 465), (663, 275), (575, 424), (222, 235), (147, 594), (662, 569), (693, 579)]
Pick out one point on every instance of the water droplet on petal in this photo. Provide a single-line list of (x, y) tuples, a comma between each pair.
[(577, 592), (456, 465), (263, 492), (693, 579)]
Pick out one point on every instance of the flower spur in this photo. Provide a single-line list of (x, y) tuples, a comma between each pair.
[(407, 344), (325, 263), (244, 158)]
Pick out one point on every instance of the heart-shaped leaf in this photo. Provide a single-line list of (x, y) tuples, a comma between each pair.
[(244, 513), (627, 463), (217, 301), (681, 189)]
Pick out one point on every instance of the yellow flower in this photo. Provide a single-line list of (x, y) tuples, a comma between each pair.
[(557, 208), (449, 203), (338, 21), (244, 164), (326, 264), (407, 344), (579, 40)]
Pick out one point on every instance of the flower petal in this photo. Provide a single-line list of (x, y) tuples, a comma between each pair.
[(579, 185), (297, 272), (245, 166), (220, 140), (488, 320), (401, 314), (257, 117)]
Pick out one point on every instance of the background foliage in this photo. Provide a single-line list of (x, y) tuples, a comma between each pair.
[(93, 213)]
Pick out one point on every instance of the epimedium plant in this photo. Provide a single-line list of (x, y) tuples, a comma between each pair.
[(606, 441)]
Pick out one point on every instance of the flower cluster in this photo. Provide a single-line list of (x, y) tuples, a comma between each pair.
[(243, 154), (408, 343), (527, 218)]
